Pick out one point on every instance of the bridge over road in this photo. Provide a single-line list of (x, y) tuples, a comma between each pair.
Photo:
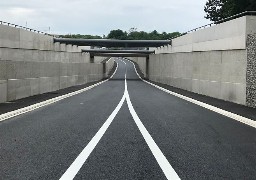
[(124, 128)]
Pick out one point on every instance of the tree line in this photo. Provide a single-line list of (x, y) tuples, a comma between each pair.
[(132, 34), (217, 10)]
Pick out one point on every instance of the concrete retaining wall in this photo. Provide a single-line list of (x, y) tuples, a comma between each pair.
[(99, 59), (109, 65), (218, 61), (219, 74), (224, 36), (32, 64), (141, 61)]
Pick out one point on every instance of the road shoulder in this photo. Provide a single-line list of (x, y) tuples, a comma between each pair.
[(238, 109)]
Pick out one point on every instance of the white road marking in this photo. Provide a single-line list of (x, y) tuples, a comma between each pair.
[(108, 60), (231, 115), (114, 71), (123, 61), (82, 157), (33, 107), (159, 156)]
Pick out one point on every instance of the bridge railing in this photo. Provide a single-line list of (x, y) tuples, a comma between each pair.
[(25, 28)]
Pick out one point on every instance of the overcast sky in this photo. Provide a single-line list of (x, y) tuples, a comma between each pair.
[(98, 17)]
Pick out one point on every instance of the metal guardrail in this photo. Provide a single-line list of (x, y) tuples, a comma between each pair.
[(246, 13), (25, 28)]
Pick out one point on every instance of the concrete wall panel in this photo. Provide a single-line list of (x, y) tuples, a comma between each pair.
[(219, 74), (31, 64), (18, 88), (141, 61), (48, 84), (3, 70), (230, 35), (251, 25), (109, 65), (3, 90), (34, 86), (63, 82), (44, 84), (9, 37)]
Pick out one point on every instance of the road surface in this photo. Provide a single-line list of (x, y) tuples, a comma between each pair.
[(125, 128)]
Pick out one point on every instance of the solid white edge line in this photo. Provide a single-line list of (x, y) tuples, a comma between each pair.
[(114, 71), (231, 115), (166, 167), (82, 157), (30, 108), (123, 61), (108, 60)]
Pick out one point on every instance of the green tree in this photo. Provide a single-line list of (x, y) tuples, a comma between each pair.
[(132, 35), (79, 36), (117, 34), (220, 9), (154, 35), (214, 10), (138, 35), (244, 5)]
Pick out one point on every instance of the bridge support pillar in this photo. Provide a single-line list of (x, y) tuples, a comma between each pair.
[(147, 68), (104, 70), (91, 58)]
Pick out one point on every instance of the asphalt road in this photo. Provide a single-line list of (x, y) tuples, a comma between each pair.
[(126, 129)]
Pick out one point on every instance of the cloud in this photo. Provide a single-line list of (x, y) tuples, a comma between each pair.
[(101, 16)]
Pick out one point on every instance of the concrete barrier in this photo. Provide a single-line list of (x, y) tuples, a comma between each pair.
[(31, 64), (218, 61), (219, 74)]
